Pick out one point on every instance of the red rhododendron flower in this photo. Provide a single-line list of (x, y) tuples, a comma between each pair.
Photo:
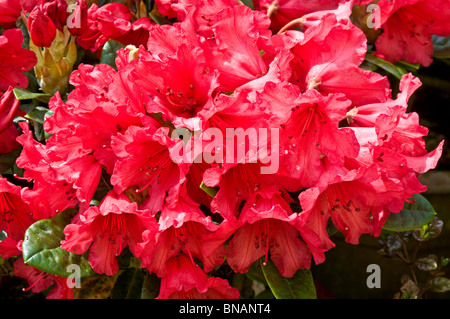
[(187, 281), (9, 13), (236, 56), (351, 200), (110, 227), (242, 182), (183, 228), (40, 281), (268, 226), (328, 58), (14, 60), (313, 142), (281, 12), (57, 11), (10, 248), (212, 142), (144, 162), (104, 23), (15, 215), (181, 96), (9, 108), (408, 27), (48, 170), (79, 18), (42, 29)]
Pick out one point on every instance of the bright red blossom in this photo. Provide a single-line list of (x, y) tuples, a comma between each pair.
[(14, 60), (408, 27), (344, 151), (111, 227)]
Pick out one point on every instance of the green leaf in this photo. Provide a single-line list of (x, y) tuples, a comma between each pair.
[(248, 3), (255, 273), (150, 287), (211, 191), (395, 70), (412, 216), (413, 67), (38, 114), (41, 247), (129, 284), (244, 284), (22, 94), (109, 52), (299, 286)]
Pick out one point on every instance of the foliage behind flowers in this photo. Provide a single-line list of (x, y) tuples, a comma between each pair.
[(175, 146)]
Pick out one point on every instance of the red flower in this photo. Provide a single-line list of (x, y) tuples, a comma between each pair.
[(408, 27), (395, 129), (242, 182), (49, 170), (281, 12), (183, 228), (101, 93), (328, 58), (137, 34), (183, 95), (10, 248), (79, 18), (8, 141), (9, 13), (187, 281), (144, 162), (104, 23), (352, 201), (312, 140), (268, 226), (9, 108), (15, 215), (238, 32), (57, 11), (41, 27), (14, 60), (110, 227), (40, 281)]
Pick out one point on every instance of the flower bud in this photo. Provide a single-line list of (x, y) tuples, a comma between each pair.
[(55, 63), (41, 27), (57, 11), (78, 18), (9, 106)]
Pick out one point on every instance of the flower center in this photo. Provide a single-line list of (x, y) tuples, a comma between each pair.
[(114, 228)]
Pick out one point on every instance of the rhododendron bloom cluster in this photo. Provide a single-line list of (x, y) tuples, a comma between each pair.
[(219, 141)]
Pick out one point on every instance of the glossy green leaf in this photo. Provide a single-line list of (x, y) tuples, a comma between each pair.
[(41, 248), (109, 52), (129, 284), (22, 94), (255, 273), (150, 287), (299, 286), (412, 67), (412, 216), (395, 70), (39, 114), (249, 3)]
